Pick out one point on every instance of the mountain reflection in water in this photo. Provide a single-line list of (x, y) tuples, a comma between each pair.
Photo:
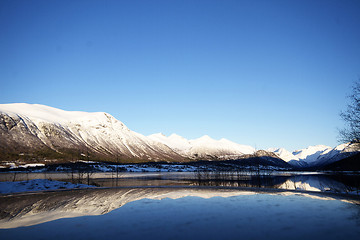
[(179, 213)]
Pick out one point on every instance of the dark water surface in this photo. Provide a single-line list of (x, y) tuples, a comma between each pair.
[(179, 213)]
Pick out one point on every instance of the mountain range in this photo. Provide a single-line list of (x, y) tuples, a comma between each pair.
[(30, 132), (317, 156)]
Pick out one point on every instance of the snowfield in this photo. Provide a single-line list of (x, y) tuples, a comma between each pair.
[(37, 185)]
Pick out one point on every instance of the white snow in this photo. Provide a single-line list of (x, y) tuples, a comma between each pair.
[(202, 146), (32, 165), (311, 153), (282, 153), (314, 155), (37, 185), (207, 145), (175, 142), (37, 112)]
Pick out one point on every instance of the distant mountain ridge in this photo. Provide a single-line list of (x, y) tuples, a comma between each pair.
[(203, 146), (30, 131), (33, 131), (316, 156)]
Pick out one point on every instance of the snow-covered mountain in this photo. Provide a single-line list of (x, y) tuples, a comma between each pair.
[(337, 153), (203, 147), (282, 153), (314, 156), (176, 142), (33, 130)]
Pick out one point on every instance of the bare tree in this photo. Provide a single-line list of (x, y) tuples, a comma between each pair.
[(351, 116)]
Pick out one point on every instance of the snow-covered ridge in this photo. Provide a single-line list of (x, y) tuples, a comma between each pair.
[(34, 126), (37, 112), (282, 153), (316, 155), (308, 154), (38, 126), (202, 146), (100, 133)]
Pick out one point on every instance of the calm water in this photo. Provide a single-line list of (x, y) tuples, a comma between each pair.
[(179, 213), (323, 182)]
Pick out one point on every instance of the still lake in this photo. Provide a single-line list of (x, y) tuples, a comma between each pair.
[(308, 181), (185, 205), (179, 213)]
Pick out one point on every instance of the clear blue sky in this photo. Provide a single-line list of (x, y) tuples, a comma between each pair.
[(264, 73)]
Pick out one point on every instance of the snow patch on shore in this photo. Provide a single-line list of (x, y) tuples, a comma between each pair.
[(37, 185)]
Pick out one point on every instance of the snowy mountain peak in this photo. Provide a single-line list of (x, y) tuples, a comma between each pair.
[(204, 146), (49, 114), (174, 136), (157, 135), (42, 128), (311, 153), (312, 149), (282, 153), (317, 155), (39, 114), (224, 140), (204, 138)]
